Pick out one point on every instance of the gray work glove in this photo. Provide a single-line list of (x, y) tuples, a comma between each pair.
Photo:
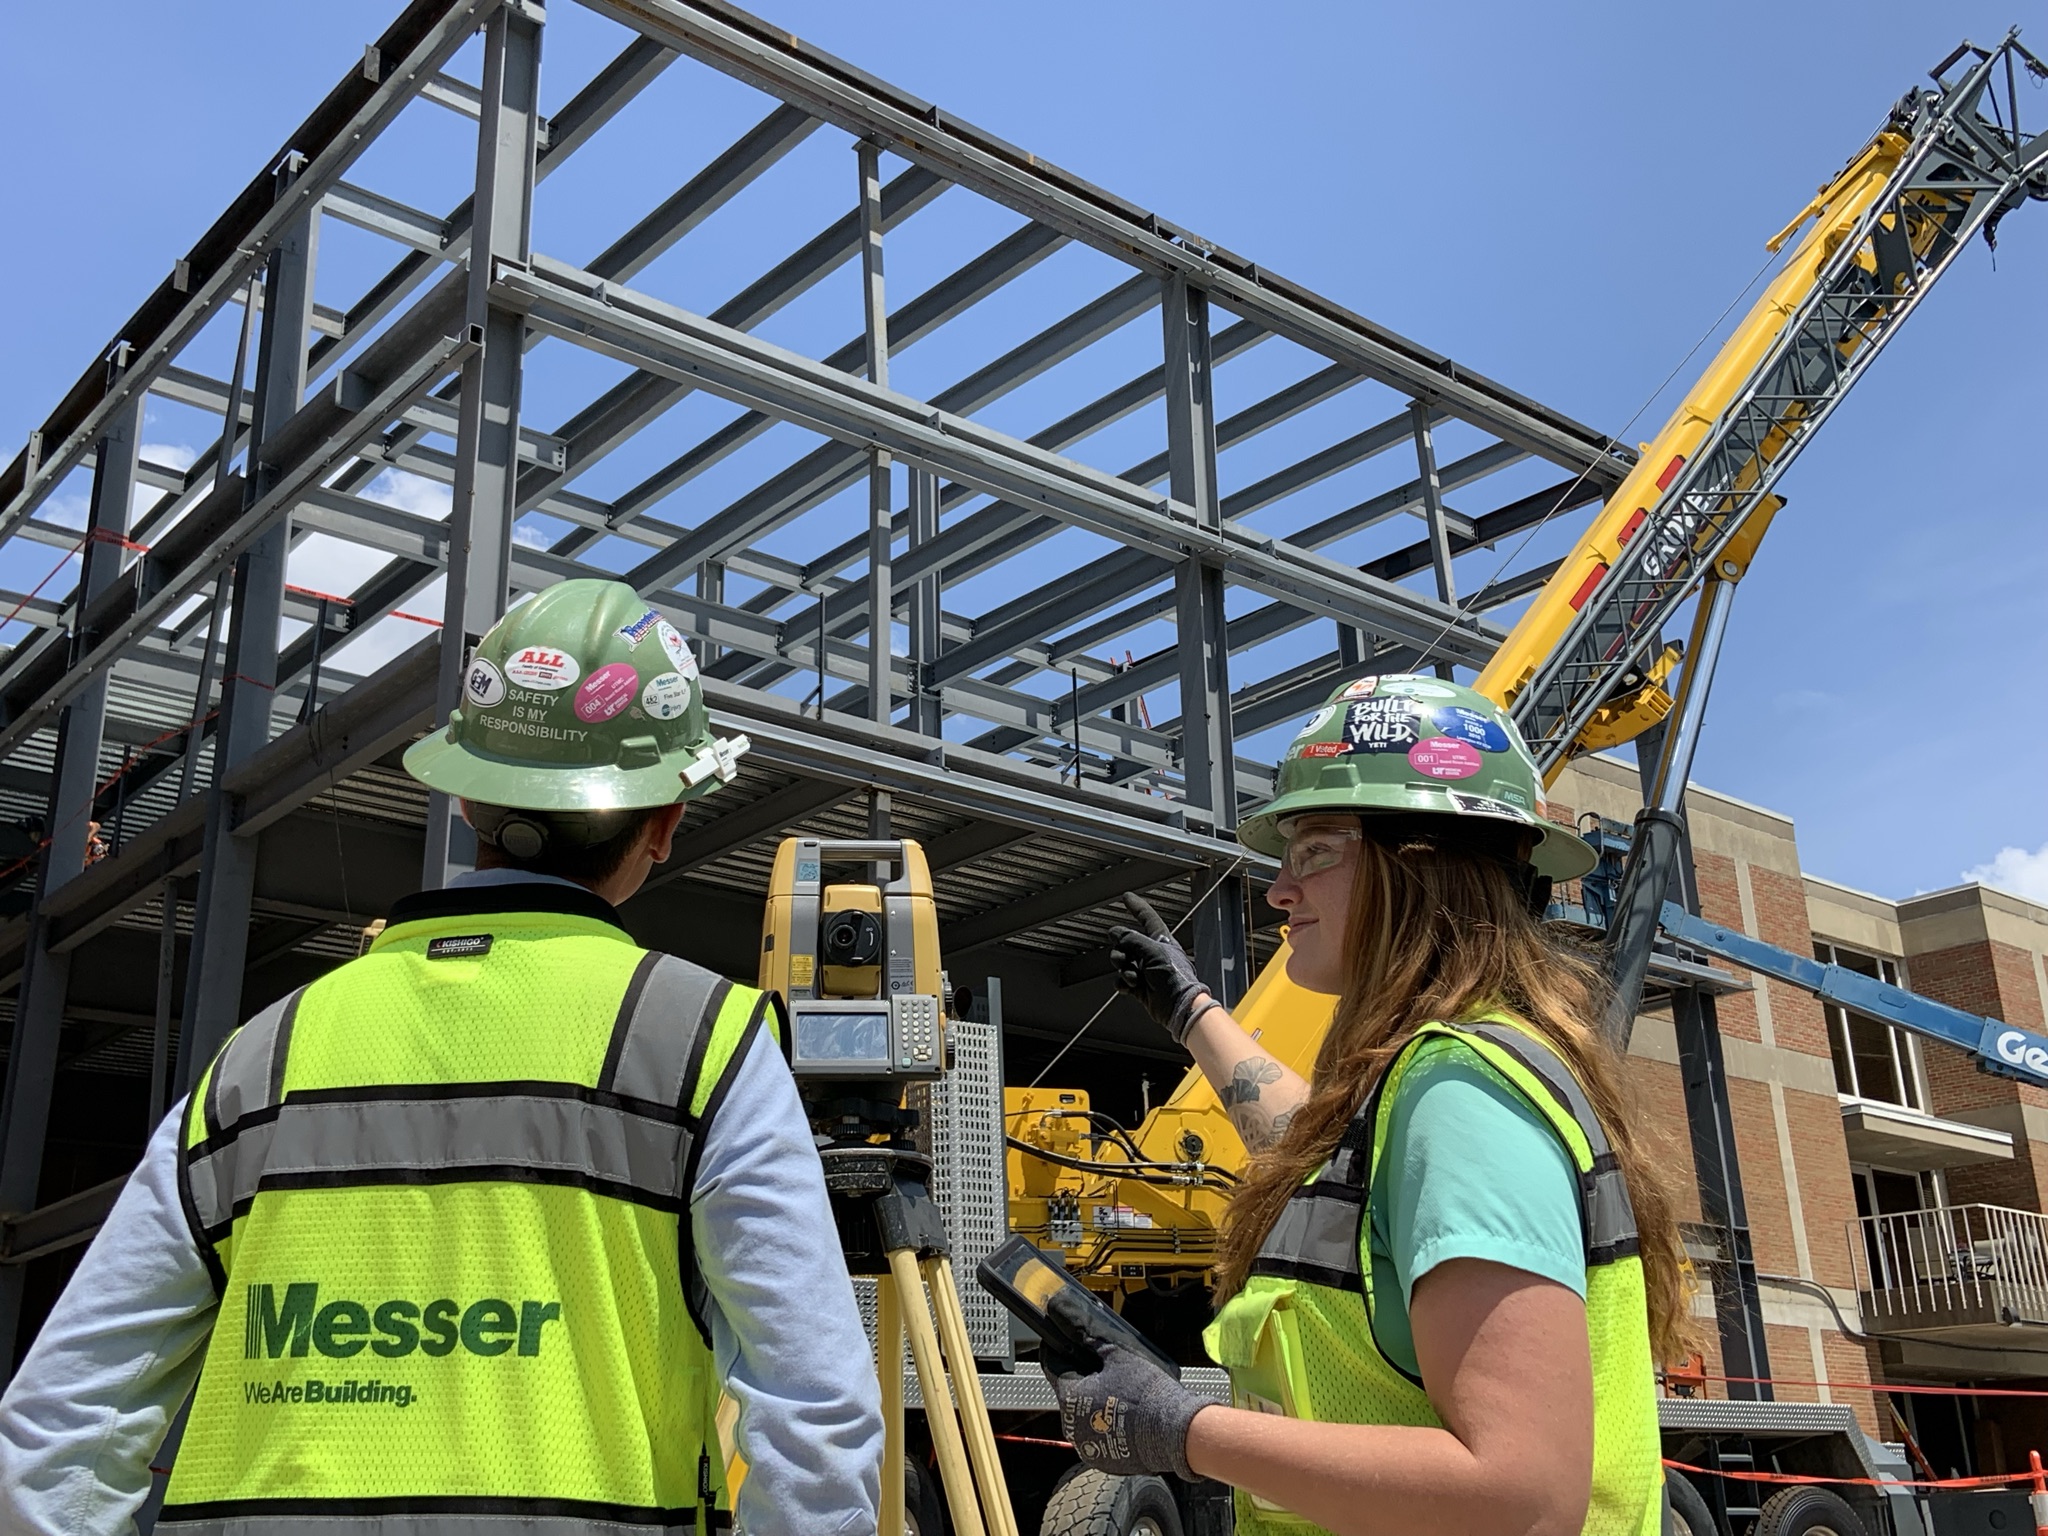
[(1128, 1418), (1153, 968)]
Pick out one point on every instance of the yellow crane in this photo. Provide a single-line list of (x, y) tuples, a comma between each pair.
[(1586, 667)]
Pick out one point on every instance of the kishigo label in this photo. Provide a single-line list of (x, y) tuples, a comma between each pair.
[(466, 946)]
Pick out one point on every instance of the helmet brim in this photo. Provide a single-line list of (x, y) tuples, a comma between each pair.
[(467, 774), (1559, 853)]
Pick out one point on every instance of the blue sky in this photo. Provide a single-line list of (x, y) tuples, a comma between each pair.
[(1564, 197)]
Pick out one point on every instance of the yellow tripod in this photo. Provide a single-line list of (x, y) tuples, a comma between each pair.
[(913, 1285)]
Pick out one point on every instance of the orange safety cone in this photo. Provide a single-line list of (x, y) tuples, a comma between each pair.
[(2039, 1498)]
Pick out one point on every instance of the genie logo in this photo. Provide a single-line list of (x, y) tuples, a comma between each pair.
[(2016, 1050)]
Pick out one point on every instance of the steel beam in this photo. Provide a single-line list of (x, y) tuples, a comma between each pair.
[(831, 467), (414, 46), (1433, 514), (881, 500), (1208, 746), (487, 438), (926, 637), (67, 845), (639, 399), (734, 829), (730, 40), (1068, 899), (705, 193), (227, 882)]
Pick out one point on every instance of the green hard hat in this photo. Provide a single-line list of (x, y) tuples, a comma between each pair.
[(581, 699), (1415, 744)]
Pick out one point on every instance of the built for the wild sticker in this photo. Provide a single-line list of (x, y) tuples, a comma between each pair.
[(1380, 724)]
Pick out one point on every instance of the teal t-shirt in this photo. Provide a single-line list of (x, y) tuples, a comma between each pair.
[(1470, 1170)]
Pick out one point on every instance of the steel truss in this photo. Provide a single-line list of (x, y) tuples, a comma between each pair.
[(188, 696)]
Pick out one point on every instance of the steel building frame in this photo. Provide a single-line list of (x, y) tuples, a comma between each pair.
[(185, 693)]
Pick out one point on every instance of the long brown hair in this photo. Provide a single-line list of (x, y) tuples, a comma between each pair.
[(1440, 929)]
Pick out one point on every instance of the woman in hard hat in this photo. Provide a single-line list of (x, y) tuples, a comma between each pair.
[(1449, 1271)]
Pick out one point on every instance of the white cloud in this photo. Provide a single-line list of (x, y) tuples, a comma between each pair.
[(171, 455), (70, 510), (2016, 870), (411, 493)]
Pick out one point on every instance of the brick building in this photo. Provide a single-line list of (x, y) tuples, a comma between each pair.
[(1895, 1192)]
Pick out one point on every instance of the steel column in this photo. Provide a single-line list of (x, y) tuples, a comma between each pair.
[(926, 619), (710, 589), (167, 936), (881, 505), (1208, 748), (487, 430), (1433, 514), (39, 1008), (227, 874)]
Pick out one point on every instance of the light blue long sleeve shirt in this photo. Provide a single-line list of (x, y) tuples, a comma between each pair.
[(120, 1352)]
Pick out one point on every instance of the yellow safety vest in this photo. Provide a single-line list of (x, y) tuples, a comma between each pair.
[(445, 1191), (1298, 1338)]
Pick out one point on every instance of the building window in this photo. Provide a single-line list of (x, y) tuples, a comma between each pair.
[(1873, 1060)]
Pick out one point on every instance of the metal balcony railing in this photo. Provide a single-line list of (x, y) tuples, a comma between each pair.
[(1960, 1266)]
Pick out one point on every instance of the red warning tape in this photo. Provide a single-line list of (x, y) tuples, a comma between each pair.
[(1999, 1480), (98, 536), (1865, 1386), (127, 762)]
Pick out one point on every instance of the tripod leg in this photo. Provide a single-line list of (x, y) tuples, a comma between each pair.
[(889, 1366), (981, 1435), (939, 1415)]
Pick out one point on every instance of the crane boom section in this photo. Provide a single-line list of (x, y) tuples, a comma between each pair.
[(1947, 163), (1999, 1047)]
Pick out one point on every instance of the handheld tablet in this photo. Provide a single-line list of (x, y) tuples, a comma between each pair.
[(1069, 1319)]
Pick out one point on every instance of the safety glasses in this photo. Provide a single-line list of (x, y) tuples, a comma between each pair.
[(1312, 850)]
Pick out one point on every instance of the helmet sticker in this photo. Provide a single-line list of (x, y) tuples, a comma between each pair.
[(667, 696), (606, 691), (1443, 757), (677, 647), (542, 668), (639, 629), (483, 684), (1316, 721), (1362, 689), (1417, 688), (1380, 725), (1470, 725)]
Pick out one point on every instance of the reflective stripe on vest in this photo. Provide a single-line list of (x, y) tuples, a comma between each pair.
[(457, 1298), (418, 1517), (628, 1137), (1317, 1237)]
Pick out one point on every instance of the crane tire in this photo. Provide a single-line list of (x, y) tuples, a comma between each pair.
[(1688, 1508), (1092, 1503), (1808, 1511)]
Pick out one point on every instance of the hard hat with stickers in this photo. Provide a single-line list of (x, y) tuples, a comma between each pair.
[(581, 699), (1419, 745)]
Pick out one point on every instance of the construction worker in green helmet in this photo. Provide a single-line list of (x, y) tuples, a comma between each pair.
[(474, 1232), (1449, 1271)]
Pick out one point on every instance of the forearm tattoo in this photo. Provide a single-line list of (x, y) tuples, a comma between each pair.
[(1257, 1125)]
